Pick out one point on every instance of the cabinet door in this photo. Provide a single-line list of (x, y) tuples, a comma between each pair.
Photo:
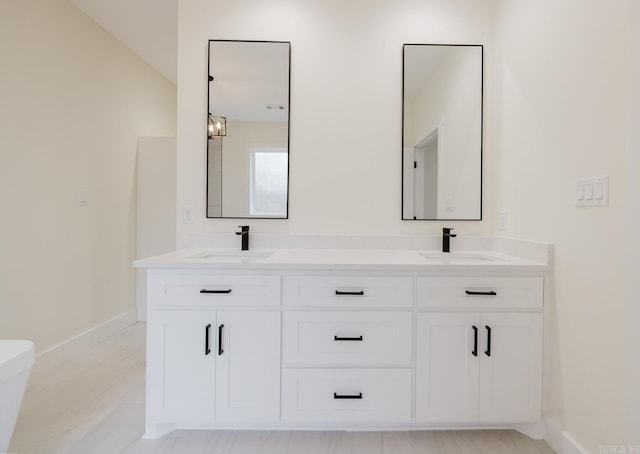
[(248, 366), (446, 367), (511, 368), (181, 366)]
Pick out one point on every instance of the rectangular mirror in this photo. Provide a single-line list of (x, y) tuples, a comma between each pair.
[(248, 129), (442, 132)]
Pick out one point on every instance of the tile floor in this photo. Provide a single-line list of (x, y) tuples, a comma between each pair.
[(92, 401)]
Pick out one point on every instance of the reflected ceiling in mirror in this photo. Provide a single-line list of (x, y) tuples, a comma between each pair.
[(248, 129), (442, 132)]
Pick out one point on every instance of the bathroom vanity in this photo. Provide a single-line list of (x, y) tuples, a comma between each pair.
[(352, 339)]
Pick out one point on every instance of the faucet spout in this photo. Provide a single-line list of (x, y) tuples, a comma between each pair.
[(244, 232), (446, 239)]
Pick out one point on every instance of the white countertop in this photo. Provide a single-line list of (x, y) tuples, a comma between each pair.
[(339, 259)]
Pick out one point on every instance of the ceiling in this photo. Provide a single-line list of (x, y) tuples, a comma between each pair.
[(148, 27), (251, 80)]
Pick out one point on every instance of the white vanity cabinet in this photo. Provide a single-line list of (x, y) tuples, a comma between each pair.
[(212, 358), (483, 362), (347, 349), (392, 344)]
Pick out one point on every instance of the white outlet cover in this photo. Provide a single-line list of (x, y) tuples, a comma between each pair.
[(187, 215), (503, 219)]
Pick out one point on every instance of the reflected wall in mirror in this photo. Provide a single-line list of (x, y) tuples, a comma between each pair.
[(442, 132), (248, 166)]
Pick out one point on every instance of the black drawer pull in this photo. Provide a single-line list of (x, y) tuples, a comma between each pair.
[(475, 341), (489, 293), (347, 396), (338, 338), (360, 293), (204, 290), (488, 350), (207, 329), (220, 350)]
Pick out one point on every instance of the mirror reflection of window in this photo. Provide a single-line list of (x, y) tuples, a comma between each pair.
[(269, 169)]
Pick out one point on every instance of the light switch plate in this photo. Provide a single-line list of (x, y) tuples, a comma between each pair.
[(83, 198), (593, 191)]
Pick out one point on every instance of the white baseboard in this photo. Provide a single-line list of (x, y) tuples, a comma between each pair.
[(559, 441), (93, 335), (533, 430)]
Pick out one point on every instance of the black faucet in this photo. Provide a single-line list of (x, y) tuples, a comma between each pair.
[(245, 236), (446, 235)]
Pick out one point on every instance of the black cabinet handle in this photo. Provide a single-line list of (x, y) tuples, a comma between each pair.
[(347, 396), (488, 350), (338, 338), (220, 350), (475, 341), (207, 329), (360, 293), (489, 293), (215, 291)]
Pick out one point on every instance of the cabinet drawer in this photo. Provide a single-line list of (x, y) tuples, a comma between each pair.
[(345, 291), (479, 292), (218, 290), (347, 395), (347, 337)]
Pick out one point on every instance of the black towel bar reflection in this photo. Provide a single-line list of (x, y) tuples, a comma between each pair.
[(360, 293), (347, 396), (489, 293), (204, 290), (338, 338)]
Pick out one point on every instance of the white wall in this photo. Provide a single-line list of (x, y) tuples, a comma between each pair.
[(346, 89), (156, 206), (562, 71), (632, 264), (74, 101)]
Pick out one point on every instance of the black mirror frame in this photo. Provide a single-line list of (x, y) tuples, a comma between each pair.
[(208, 78), (481, 46)]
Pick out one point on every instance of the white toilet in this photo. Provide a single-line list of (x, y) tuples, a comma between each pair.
[(16, 360)]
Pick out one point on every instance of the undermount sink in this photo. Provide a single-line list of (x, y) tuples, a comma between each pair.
[(233, 255), (459, 257)]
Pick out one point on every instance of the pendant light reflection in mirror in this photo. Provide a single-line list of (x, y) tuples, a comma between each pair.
[(216, 124)]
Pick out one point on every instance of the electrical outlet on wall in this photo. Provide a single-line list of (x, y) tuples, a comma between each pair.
[(450, 204), (502, 220), (187, 215)]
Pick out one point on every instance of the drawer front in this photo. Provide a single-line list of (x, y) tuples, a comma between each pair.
[(344, 291), (338, 338), (346, 395), (207, 290), (480, 292)]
